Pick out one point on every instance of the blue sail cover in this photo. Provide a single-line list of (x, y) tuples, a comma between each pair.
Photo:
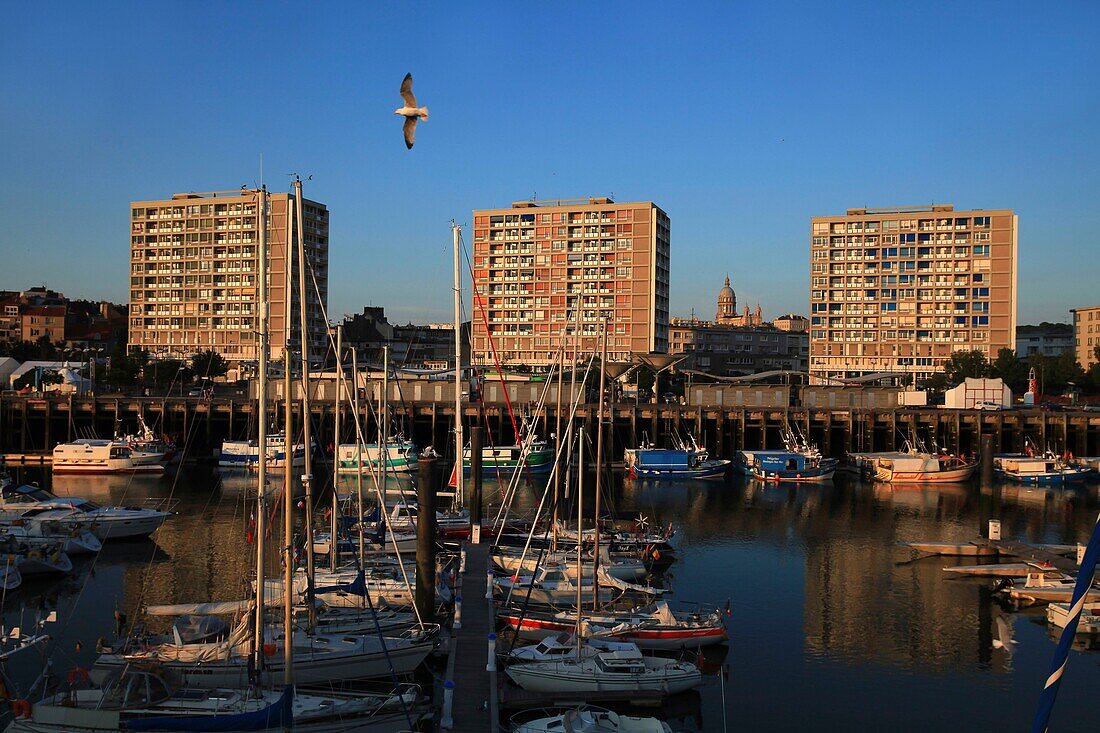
[(274, 717), (356, 587), (1085, 576)]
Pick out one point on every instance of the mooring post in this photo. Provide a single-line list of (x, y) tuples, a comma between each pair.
[(986, 460), (425, 537)]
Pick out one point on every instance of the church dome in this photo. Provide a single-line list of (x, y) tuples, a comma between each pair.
[(726, 292), (727, 303)]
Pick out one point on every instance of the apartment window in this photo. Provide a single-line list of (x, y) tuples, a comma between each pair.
[(981, 221), (980, 292)]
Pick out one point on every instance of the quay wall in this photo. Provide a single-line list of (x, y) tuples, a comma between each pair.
[(30, 424)]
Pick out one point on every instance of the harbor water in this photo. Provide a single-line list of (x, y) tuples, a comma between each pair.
[(833, 625)]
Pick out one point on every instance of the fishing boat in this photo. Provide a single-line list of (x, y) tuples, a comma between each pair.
[(1089, 622), (584, 719), (656, 627), (399, 455), (146, 446), (75, 514), (794, 467), (1046, 469), (913, 466), (535, 457), (687, 461), (246, 453), (144, 699), (622, 671), (92, 455)]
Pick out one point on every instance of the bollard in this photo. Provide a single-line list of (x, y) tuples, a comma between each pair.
[(448, 720), (985, 458), (994, 529), (462, 562), (458, 613), (489, 585), (491, 664), (1080, 553)]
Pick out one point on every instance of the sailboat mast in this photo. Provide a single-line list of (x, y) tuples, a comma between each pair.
[(384, 427), (307, 428), (261, 398), (288, 479), (332, 549), (599, 471), (557, 446), (358, 451), (580, 533), (456, 230)]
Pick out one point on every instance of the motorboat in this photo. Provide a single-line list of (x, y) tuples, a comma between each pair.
[(146, 446), (40, 559), (656, 626), (1038, 588), (912, 466), (39, 532), (33, 503), (622, 671), (399, 455), (144, 699), (449, 523), (92, 455), (1089, 622), (687, 461), (586, 719), (246, 453)]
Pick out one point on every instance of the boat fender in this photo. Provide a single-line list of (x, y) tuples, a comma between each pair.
[(21, 708), (78, 675), (269, 650)]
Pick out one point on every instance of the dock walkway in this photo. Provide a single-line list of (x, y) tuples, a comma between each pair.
[(475, 692)]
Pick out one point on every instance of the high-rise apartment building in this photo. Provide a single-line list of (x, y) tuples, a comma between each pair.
[(194, 267), (900, 289), (539, 262), (1086, 334)]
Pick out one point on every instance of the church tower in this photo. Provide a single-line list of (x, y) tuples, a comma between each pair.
[(727, 304)]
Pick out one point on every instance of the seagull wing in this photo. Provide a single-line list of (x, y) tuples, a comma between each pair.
[(410, 131), (407, 91)]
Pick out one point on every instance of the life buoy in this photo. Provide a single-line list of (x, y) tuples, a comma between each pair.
[(21, 708), (78, 674)]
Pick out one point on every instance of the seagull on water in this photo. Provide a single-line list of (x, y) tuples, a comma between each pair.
[(410, 111)]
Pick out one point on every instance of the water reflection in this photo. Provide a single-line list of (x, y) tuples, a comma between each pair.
[(830, 612)]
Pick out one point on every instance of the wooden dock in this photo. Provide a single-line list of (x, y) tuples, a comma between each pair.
[(475, 688)]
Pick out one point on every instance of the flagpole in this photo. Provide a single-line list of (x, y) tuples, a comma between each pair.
[(1061, 653)]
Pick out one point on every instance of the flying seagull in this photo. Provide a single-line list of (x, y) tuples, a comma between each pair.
[(410, 111)]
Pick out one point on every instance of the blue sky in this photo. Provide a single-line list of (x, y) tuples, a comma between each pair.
[(741, 120)]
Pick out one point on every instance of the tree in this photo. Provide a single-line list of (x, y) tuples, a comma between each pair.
[(209, 364), (936, 385), (967, 364), (27, 381), (1008, 367), (1092, 375), (1056, 372), (171, 372)]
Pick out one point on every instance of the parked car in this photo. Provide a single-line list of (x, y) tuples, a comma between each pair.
[(1052, 406), (988, 405)]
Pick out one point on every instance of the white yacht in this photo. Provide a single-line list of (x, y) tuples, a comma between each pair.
[(585, 718), (75, 514), (92, 455)]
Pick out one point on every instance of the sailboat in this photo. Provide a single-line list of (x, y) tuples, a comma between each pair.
[(614, 671)]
